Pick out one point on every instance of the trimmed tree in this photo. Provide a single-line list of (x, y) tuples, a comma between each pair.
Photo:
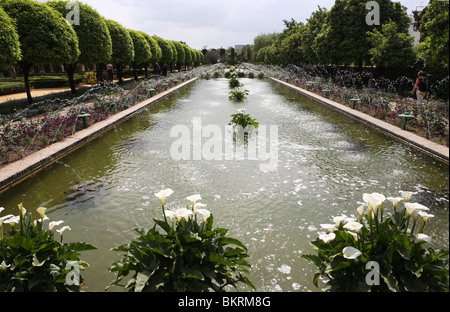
[(187, 56), (174, 59), (9, 41), (155, 51), (142, 51), (166, 50), (45, 36), (93, 37), (181, 55), (122, 46)]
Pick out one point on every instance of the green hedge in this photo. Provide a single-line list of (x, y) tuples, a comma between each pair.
[(11, 86)]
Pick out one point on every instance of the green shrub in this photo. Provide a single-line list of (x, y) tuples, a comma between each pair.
[(32, 260), (243, 120), (187, 256), (393, 246), (237, 95), (234, 83)]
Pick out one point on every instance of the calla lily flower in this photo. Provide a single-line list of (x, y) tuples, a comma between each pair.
[(351, 253), (329, 227), (183, 213), (205, 214), (411, 207), (327, 237), (12, 220), (22, 210), (64, 228), (199, 206), (1, 209), (395, 200), (355, 236), (339, 219), (51, 225), (425, 216), (170, 214), (407, 195), (193, 199), (423, 238), (375, 200), (360, 210), (2, 219), (353, 226), (4, 266), (41, 211), (40, 220), (163, 194)]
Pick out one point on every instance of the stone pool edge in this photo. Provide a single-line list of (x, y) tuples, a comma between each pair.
[(435, 150), (16, 172)]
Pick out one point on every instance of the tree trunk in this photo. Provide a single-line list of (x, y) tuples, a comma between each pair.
[(26, 74), (135, 72), (119, 73), (70, 69), (99, 73)]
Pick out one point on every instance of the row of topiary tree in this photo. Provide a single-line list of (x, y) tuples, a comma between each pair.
[(34, 33)]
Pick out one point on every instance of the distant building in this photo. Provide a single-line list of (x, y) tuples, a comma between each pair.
[(239, 47)]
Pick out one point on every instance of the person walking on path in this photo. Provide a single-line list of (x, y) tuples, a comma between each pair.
[(421, 88), (110, 70)]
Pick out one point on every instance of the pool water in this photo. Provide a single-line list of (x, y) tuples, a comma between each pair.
[(326, 162)]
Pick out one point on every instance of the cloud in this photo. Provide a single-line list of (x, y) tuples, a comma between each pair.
[(211, 23)]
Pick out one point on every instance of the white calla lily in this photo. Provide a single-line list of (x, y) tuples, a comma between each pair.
[(52, 224), (171, 215), (63, 229), (162, 195), (41, 211), (407, 195), (194, 198), (339, 219), (183, 213), (351, 253), (411, 207), (425, 216), (375, 200), (353, 226), (203, 213), (395, 200), (329, 227), (327, 237), (423, 238)]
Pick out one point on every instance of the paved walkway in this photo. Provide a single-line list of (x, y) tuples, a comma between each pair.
[(436, 150), (42, 92)]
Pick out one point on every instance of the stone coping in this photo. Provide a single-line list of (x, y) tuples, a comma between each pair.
[(436, 150), (16, 172)]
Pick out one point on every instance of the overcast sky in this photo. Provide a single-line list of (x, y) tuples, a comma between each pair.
[(212, 23)]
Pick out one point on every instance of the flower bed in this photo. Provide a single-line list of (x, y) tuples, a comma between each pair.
[(380, 100)]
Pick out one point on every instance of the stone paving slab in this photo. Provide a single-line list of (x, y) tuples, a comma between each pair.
[(18, 171), (436, 150)]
